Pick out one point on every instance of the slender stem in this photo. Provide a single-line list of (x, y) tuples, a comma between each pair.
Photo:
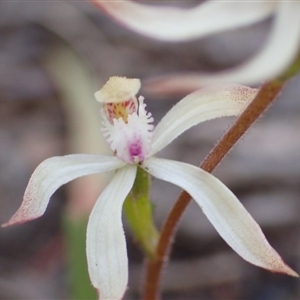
[(264, 98), (74, 232), (139, 214)]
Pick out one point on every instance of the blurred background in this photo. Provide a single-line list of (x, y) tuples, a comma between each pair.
[(53, 57)]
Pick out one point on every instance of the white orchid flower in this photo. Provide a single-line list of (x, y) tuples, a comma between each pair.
[(179, 24), (134, 142)]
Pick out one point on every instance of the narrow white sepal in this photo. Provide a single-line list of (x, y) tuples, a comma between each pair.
[(205, 104), (224, 210), (52, 174), (179, 24), (105, 243), (275, 57)]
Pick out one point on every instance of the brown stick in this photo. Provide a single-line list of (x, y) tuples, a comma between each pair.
[(264, 98)]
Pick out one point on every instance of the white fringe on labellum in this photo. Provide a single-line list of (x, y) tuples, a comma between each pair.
[(130, 140)]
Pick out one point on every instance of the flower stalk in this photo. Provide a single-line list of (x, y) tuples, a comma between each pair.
[(138, 211), (266, 95)]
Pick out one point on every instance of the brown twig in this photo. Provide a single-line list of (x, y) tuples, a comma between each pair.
[(264, 98)]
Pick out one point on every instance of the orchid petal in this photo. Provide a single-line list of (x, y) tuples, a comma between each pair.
[(105, 244), (205, 104), (177, 24), (270, 62), (224, 211), (53, 173)]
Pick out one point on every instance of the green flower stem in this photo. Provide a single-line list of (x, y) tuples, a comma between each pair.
[(264, 98), (75, 242), (138, 211)]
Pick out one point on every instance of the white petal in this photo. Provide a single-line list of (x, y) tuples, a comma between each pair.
[(105, 244), (224, 211), (177, 24), (278, 53), (53, 173), (205, 104)]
